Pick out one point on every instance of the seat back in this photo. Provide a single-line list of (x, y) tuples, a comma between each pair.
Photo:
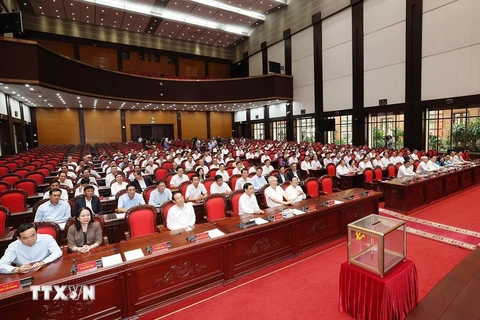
[(208, 183), (160, 173), (331, 170), (183, 187), (168, 178), (392, 170), (285, 185), (397, 167), (378, 173), (326, 182), (28, 185), (234, 198), (37, 176), (11, 165), (164, 211), (141, 220), (262, 195), (11, 178), (168, 165), (190, 174), (14, 199), (38, 204), (233, 180), (215, 206), (4, 186), (4, 170), (212, 173), (48, 227), (21, 172), (120, 193), (4, 218), (415, 164), (147, 192), (313, 189), (368, 174)]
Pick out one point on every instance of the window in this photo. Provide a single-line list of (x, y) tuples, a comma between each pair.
[(305, 130), (385, 124), (278, 130), (257, 131), (343, 130), (455, 128)]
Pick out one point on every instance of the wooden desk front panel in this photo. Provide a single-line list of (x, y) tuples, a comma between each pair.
[(466, 179), (476, 174), (403, 198), (433, 189), (319, 228), (356, 212), (451, 183)]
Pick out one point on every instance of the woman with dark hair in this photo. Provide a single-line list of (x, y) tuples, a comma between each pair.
[(440, 161), (85, 234), (201, 173)]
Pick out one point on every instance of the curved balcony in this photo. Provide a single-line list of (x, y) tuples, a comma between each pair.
[(28, 62)]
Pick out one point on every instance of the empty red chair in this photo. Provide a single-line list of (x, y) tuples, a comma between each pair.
[(15, 200), (215, 207), (28, 185), (212, 173), (37, 176), (313, 189), (183, 187), (4, 186), (141, 220), (4, 170), (44, 171), (168, 165), (392, 170), (160, 173), (164, 212), (208, 183), (21, 172), (331, 170), (11, 178), (11, 165), (51, 228), (4, 219), (234, 198), (326, 182)]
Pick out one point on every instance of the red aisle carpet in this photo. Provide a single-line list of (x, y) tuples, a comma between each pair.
[(306, 289)]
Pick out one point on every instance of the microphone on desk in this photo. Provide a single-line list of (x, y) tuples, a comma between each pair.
[(365, 193), (350, 196), (149, 248), (74, 268), (190, 237)]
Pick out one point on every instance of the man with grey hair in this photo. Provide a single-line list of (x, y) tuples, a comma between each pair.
[(274, 194)]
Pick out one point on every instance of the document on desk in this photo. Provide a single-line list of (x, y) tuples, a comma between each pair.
[(133, 254), (215, 233), (298, 212), (112, 260), (259, 221), (120, 215), (338, 202)]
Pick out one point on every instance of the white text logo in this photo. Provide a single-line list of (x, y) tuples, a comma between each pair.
[(71, 292)]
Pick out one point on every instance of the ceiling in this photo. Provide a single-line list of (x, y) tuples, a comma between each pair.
[(37, 96), (223, 23)]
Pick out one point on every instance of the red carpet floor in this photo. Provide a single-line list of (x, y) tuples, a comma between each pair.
[(306, 289)]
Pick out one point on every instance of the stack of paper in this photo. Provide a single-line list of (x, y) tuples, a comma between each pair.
[(259, 221), (298, 212), (120, 215), (215, 233), (133, 254), (112, 260)]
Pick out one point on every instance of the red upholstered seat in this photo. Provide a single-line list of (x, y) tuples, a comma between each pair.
[(326, 182), (4, 170), (215, 207), (160, 173), (208, 183), (368, 173), (15, 200), (285, 185), (37, 176), (212, 173), (141, 220), (11, 165), (164, 212), (233, 180), (50, 228), (378, 174), (331, 170), (183, 187), (27, 185), (4, 186), (313, 189), (44, 171), (21, 172), (393, 169), (234, 198), (169, 178), (168, 165), (415, 164), (262, 196), (11, 178), (4, 219), (120, 193), (147, 192)]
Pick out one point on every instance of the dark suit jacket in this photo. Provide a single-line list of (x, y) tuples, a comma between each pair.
[(280, 179), (148, 182), (80, 203), (290, 175)]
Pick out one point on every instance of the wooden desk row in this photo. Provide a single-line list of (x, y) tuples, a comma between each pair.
[(133, 288), (404, 197)]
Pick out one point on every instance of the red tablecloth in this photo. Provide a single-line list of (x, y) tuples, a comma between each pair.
[(366, 296)]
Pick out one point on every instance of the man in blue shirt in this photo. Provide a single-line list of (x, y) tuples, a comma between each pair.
[(129, 199), (30, 252), (55, 210), (258, 180), (160, 195)]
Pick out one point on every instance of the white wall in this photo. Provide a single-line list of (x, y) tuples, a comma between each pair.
[(240, 116), (255, 65), (384, 51), (337, 61), (450, 49), (277, 53), (303, 72), (277, 110), (26, 114), (257, 112), (3, 104), (15, 107)]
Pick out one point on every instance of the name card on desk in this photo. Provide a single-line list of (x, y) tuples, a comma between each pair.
[(87, 266), (6, 287), (112, 260), (312, 208), (202, 236), (356, 196), (133, 254), (370, 193), (277, 216), (161, 247)]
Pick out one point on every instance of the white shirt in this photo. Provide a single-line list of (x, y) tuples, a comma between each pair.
[(399, 159), (378, 163), (79, 191), (362, 165), (385, 162), (271, 193), (247, 204), (189, 165), (150, 169), (432, 165), (176, 180), (224, 174), (423, 168), (63, 196), (193, 192), (315, 165), (115, 188), (237, 171), (342, 170), (267, 170), (240, 182), (180, 218), (293, 193), (404, 172), (414, 156), (305, 166), (215, 188), (67, 183)]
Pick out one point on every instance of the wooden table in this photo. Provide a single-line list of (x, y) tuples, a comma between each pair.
[(350, 181), (136, 287), (405, 194)]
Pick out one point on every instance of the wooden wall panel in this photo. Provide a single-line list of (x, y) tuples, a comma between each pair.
[(161, 117), (221, 124), (102, 125), (192, 68), (218, 70), (194, 124), (100, 57), (63, 48), (57, 126), (135, 64)]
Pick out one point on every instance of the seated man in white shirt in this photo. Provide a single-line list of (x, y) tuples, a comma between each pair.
[(242, 180), (64, 181), (274, 194), (30, 252), (150, 167), (306, 166), (267, 168), (238, 168), (342, 169), (178, 178), (423, 168), (294, 192), (219, 186), (315, 164), (56, 185), (365, 163), (189, 164), (55, 210), (214, 164), (196, 191), (118, 185), (406, 170), (247, 203), (221, 171), (377, 162), (181, 215), (83, 183), (432, 165)]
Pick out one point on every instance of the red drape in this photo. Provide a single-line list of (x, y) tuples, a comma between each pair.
[(366, 296)]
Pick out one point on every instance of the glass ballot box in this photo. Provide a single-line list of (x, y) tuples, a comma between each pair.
[(377, 243)]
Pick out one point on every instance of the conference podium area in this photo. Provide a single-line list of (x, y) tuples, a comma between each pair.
[(133, 288)]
